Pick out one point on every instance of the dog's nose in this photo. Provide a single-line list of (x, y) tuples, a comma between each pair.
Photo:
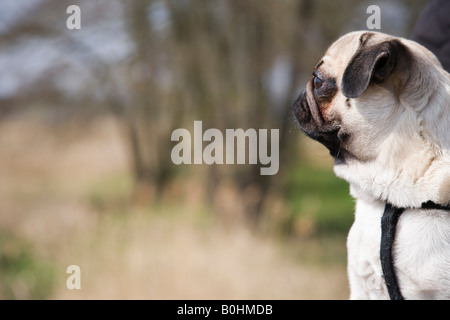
[(300, 109)]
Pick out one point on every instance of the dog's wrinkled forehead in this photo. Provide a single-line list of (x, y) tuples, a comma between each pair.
[(340, 53)]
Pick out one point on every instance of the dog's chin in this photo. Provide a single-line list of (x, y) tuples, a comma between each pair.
[(331, 138), (333, 143)]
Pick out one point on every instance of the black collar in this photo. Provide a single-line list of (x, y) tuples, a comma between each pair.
[(388, 227)]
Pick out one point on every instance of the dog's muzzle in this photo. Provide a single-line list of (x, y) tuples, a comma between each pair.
[(311, 122)]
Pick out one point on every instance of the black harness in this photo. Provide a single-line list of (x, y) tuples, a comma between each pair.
[(388, 227)]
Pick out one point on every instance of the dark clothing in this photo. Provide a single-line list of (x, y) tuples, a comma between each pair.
[(432, 30)]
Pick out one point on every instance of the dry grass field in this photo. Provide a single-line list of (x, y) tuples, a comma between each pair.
[(65, 199)]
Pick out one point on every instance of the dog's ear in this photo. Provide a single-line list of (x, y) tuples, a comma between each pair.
[(372, 63)]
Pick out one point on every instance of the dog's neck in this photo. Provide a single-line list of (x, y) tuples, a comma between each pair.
[(366, 182), (412, 167), (422, 177)]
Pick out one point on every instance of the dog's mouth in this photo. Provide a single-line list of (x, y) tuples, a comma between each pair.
[(333, 141), (332, 136)]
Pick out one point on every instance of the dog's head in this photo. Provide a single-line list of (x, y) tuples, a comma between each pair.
[(373, 100)]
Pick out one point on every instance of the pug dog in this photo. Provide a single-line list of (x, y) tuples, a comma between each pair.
[(381, 105)]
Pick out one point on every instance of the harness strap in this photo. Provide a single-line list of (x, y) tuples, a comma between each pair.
[(388, 227)]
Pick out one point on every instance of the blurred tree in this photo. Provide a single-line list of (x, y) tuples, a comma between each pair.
[(221, 57), (229, 63)]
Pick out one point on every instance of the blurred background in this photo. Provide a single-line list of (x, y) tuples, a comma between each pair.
[(86, 178)]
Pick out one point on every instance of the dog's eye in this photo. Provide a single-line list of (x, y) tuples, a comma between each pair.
[(317, 82)]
